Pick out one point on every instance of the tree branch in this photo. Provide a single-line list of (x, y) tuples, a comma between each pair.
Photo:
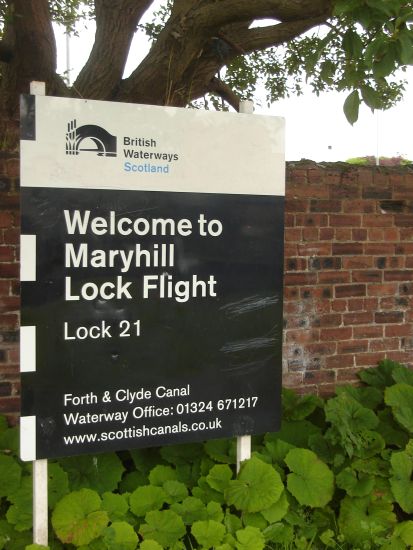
[(229, 11), (260, 38), (218, 87), (116, 22)]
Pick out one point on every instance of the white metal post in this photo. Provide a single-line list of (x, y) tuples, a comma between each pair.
[(244, 441), (40, 476)]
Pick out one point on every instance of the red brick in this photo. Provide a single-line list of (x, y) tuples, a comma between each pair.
[(333, 277), (347, 249), (7, 253), (330, 320), (311, 220), (378, 220), (404, 357), (4, 288), (316, 293), (368, 332), (406, 289), (362, 304), (369, 358), (404, 248), (361, 318), (339, 361), (391, 234), (393, 262), (350, 291), (292, 379), (403, 220), (321, 348), (342, 234), (376, 234), (359, 234), (314, 249), (388, 317), (353, 346), (303, 336), (310, 234), (329, 334), (289, 220), (362, 206), (399, 275), (326, 233), (345, 190), (6, 220), (388, 289), (325, 206), (292, 234), (295, 205), (409, 262), (349, 220), (9, 404), (384, 344), (295, 264), (319, 377), (9, 271), (11, 236), (398, 330), (9, 321), (315, 175), (13, 168), (347, 375), (300, 278), (339, 305), (358, 262), (308, 191), (373, 276), (291, 294), (406, 234)]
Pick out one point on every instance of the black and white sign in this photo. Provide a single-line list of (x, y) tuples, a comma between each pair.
[(152, 261)]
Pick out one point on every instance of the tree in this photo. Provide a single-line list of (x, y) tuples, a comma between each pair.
[(354, 45)]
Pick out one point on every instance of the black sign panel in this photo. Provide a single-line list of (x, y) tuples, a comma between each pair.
[(156, 315)]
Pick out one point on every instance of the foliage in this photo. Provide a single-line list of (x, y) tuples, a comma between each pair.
[(337, 475), (383, 161)]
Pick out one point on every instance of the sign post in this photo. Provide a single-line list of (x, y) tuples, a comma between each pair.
[(152, 239)]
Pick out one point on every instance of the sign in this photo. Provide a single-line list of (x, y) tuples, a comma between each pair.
[(151, 268)]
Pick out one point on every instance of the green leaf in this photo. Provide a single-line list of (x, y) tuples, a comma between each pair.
[(160, 474), (115, 505), (120, 536), (182, 454), (311, 481), (147, 498), (250, 538), (352, 44), (191, 509), (9, 440), (401, 374), (131, 481), (386, 65), (58, 485), (78, 519), (296, 407), (150, 545), (20, 512), (10, 475), (372, 99), (279, 533), (351, 106), (406, 47), (221, 450), (367, 397), (175, 491), (295, 433), (379, 377), (404, 530), (361, 520), (219, 477), (277, 510), (37, 547), (277, 448), (254, 519), (401, 484), (355, 485), (208, 533), (214, 511), (206, 493), (257, 487), (392, 433), (101, 473), (400, 398), (165, 526)]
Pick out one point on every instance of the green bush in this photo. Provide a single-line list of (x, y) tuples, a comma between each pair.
[(337, 475)]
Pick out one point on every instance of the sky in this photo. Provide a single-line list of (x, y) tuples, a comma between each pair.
[(316, 127)]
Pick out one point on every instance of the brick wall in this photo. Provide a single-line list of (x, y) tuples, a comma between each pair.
[(348, 274), (9, 284)]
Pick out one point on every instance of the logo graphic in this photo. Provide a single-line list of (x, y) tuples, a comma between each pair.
[(89, 138)]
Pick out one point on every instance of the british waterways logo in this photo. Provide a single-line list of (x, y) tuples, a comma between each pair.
[(89, 138)]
